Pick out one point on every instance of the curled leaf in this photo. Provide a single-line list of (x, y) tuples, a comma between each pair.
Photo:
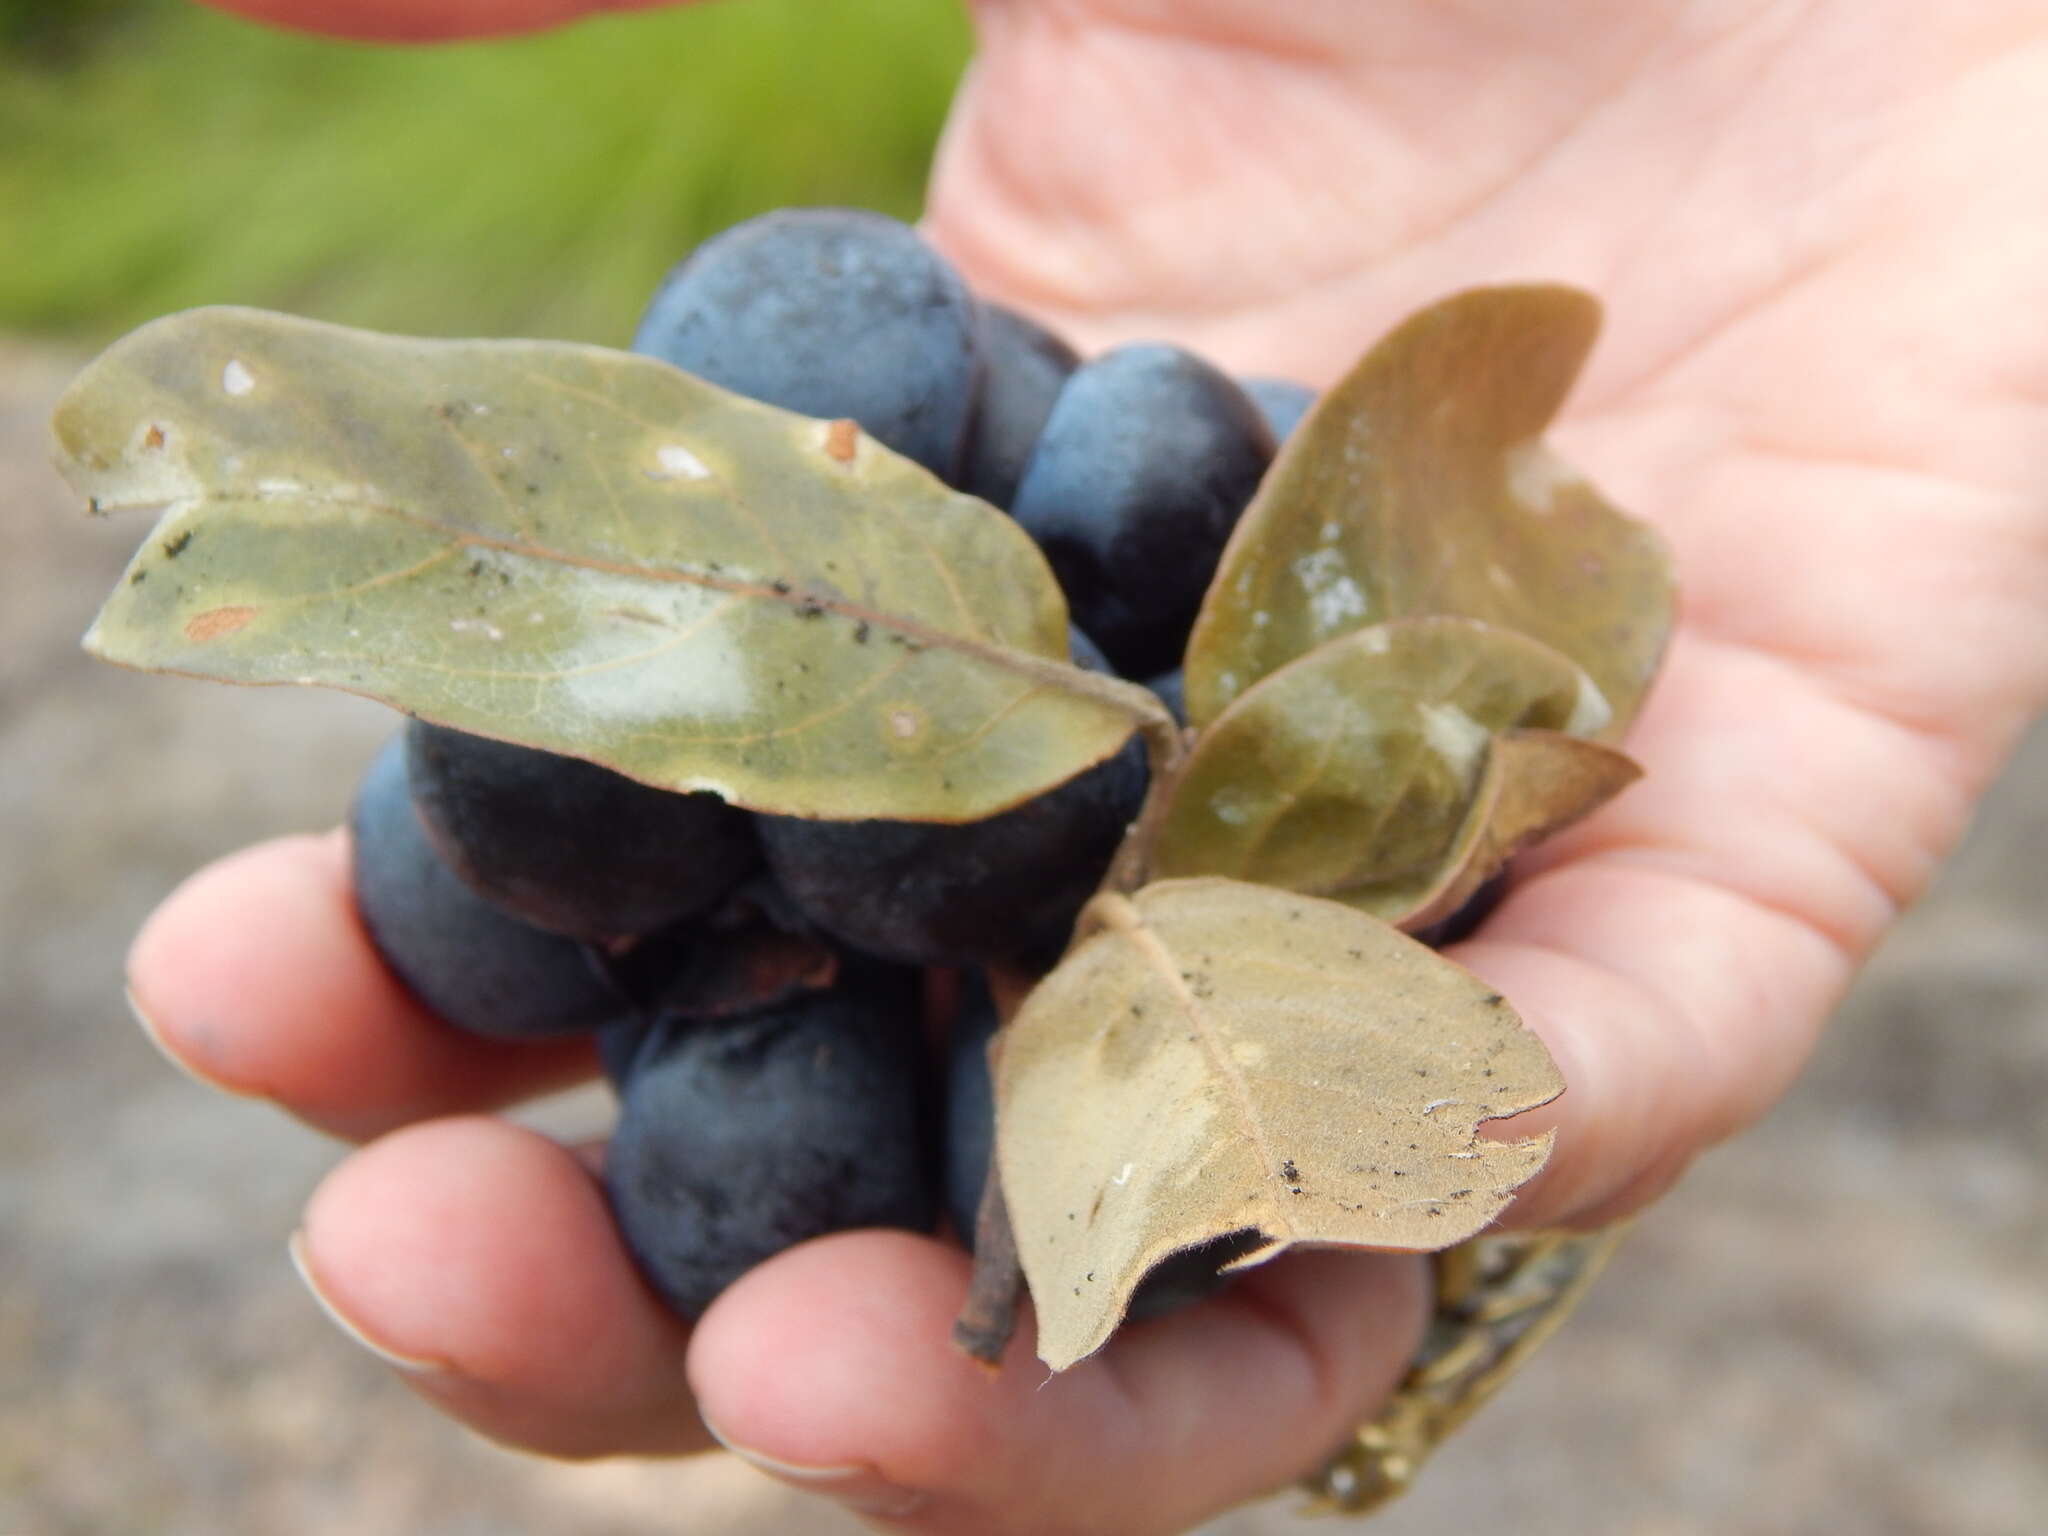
[(1418, 485), (1216, 1057), (583, 551), (1357, 764), (1535, 783)]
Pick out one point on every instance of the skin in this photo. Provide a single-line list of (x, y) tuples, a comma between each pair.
[(1822, 238)]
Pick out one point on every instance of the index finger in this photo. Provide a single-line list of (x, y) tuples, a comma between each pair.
[(256, 977)]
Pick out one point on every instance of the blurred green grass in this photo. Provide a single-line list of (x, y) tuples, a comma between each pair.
[(540, 186)]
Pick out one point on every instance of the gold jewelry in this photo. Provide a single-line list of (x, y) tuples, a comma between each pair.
[(1497, 1298)]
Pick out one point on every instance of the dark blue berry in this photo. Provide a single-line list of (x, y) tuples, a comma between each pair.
[(833, 312), (618, 1048), (1464, 922), (742, 1138), (1148, 458), (970, 1104), (568, 846), (1006, 888), (1024, 367), (1172, 688), (462, 957)]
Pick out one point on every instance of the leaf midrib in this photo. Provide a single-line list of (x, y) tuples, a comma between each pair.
[(1126, 918)]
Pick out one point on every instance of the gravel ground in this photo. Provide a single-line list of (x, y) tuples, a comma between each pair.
[(1837, 1324)]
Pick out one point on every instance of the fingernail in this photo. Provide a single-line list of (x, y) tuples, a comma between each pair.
[(412, 1365), (854, 1486), (155, 1036)]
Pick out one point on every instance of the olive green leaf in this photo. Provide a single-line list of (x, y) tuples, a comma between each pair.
[(1419, 484), (1357, 765), (583, 551), (1215, 1057)]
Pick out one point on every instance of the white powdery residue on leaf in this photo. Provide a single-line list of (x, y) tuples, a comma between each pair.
[(482, 627), (1590, 711), (1535, 475), (1455, 736), (236, 379), (678, 463), (625, 668), (1227, 808), (1333, 597)]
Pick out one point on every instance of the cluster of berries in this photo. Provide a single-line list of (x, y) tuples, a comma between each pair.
[(758, 984)]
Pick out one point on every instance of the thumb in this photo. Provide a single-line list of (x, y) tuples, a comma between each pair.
[(831, 1368)]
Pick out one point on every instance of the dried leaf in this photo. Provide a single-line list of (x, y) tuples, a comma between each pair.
[(584, 551), (1535, 783), (1419, 485), (1357, 764), (1218, 1056)]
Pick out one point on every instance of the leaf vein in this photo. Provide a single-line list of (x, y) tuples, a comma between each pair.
[(1124, 916)]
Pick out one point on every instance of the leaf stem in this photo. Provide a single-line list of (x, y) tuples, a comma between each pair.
[(1166, 751), (988, 1317)]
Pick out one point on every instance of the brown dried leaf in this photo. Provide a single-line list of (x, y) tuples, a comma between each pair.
[(1217, 1056)]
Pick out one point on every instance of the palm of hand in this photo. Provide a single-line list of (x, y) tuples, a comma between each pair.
[(1817, 237), (1813, 235)]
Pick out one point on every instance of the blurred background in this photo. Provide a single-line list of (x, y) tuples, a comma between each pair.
[(1838, 1324)]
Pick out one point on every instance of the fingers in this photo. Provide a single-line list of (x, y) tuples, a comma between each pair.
[(255, 977), (417, 21), (1680, 951), (831, 1368), (479, 1259)]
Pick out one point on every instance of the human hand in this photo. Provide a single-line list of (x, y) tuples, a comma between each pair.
[(1820, 240)]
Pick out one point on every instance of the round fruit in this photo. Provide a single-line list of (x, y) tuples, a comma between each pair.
[(465, 960), (834, 312), (568, 846), (1024, 368), (1006, 888), (1148, 458), (741, 1138)]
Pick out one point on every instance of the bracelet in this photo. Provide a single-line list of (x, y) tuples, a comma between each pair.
[(1497, 1299)]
